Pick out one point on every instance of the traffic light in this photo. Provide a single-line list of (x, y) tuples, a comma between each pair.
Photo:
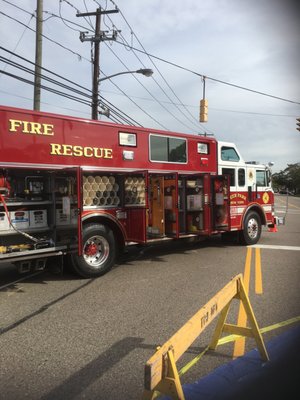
[(203, 110), (298, 124)]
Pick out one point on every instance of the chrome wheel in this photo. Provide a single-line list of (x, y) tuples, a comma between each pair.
[(96, 251), (252, 228)]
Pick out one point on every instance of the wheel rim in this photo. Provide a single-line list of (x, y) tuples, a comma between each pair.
[(252, 228), (96, 251)]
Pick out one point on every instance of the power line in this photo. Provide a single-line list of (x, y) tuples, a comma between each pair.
[(156, 57), (46, 37), (174, 116), (145, 112), (211, 108), (104, 102), (55, 91), (90, 62), (160, 103), (100, 70), (208, 77), (193, 118), (164, 107)]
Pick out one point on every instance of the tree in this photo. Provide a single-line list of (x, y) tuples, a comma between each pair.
[(288, 179)]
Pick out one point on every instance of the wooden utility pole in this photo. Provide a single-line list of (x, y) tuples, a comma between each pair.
[(38, 55), (97, 38), (95, 99)]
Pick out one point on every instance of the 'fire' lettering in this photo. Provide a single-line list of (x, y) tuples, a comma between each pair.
[(34, 128)]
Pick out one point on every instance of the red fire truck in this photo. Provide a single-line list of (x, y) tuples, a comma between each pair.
[(85, 189)]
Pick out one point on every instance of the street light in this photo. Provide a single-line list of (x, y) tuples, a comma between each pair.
[(144, 71)]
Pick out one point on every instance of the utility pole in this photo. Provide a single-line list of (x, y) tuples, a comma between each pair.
[(38, 55), (96, 71), (97, 38)]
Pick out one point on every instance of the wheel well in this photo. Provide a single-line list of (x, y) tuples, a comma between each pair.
[(259, 211), (111, 224)]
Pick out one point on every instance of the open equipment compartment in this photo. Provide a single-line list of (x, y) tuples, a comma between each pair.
[(38, 215)]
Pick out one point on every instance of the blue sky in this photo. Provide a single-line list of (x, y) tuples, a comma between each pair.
[(252, 44)]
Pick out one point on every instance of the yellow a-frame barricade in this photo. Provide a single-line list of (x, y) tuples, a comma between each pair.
[(161, 374)]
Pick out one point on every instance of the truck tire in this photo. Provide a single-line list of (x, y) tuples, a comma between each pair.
[(252, 229), (98, 254)]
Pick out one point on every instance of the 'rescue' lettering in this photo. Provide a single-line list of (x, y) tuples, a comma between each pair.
[(79, 151), (33, 128)]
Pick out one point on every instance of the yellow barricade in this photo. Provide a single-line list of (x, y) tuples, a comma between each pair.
[(161, 374)]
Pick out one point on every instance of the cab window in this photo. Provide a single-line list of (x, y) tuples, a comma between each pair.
[(229, 154), (241, 177), (261, 178)]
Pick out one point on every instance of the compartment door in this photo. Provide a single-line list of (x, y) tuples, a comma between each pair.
[(220, 203), (171, 205), (156, 220), (79, 208), (194, 198), (136, 205)]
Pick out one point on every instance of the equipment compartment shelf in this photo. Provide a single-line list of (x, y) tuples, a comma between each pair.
[(26, 203), (29, 230), (21, 255)]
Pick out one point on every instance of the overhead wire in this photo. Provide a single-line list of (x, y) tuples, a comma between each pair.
[(180, 121), (122, 91), (80, 56), (137, 105), (159, 101), (91, 24), (193, 120), (46, 37), (21, 37), (115, 110), (77, 11), (209, 77), (63, 20), (47, 88), (148, 91), (154, 57)]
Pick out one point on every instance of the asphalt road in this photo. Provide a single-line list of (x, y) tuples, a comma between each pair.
[(68, 338)]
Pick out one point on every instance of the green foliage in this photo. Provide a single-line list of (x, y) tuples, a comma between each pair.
[(288, 179)]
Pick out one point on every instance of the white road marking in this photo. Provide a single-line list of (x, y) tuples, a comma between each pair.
[(275, 247)]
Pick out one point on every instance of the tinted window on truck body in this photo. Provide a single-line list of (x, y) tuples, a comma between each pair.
[(168, 149)]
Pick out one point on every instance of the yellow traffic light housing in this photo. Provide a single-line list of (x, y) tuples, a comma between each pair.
[(203, 110)]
